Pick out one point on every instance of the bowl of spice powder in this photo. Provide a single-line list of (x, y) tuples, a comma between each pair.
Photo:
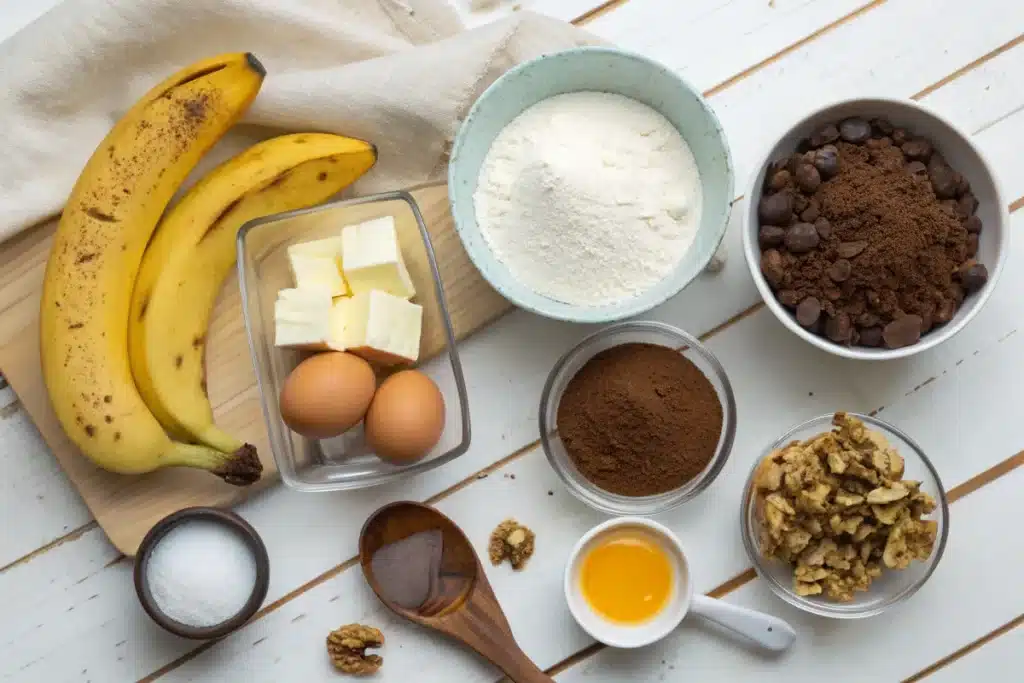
[(876, 229), (637, 418)]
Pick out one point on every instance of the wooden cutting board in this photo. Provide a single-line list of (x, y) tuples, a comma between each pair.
[(127, 506)]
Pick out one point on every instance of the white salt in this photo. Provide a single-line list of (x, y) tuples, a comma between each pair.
[(201, 573)]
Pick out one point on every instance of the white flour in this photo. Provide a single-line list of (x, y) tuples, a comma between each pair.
[(589, 198)]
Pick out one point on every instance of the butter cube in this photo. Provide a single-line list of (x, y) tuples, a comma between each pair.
[(318, 264), (302, 318), (373, 260), (378, 326)]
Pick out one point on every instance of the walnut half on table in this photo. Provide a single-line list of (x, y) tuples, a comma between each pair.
[(347, 647), (837, 509)]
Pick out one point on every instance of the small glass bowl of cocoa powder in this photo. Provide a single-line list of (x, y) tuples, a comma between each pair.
[(637, 418)]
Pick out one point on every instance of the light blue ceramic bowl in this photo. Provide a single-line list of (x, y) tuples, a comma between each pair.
[(605, 70)]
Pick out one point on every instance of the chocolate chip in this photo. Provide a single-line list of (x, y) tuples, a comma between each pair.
[(973, 276), (870, 336), (943, 181), (926, 320), (881, 127), (973, 224), (808, 312), (811, 213), (838, 328), (855, 130), (851, 249), (826, 160), (899, 136), (801, 238), (800, 203), (824, 135), (972, 245), (963, 185), (949, 207), (936, 161), (918, 170), (789, 298), (823, 227), (770, 236), (967, 205), (832, 293), (917, 149), (944, 311), (956, 293), (867, 319), (840, 270), (779, 180), (793, 162), (772, 268), (807, 178), (902, 332), (878, 143), (776, 209)]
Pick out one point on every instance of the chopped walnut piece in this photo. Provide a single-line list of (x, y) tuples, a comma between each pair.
[(347, 648), (837, 509), (512, 541)]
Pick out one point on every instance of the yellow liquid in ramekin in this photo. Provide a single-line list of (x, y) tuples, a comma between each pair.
[(627, 577)]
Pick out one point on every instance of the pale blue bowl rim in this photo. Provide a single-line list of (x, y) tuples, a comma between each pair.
[(630, 307)]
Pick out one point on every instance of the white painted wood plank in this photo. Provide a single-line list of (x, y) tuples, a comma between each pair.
[(966, 597), (34, 490), (332, 520), (688, 36), (17, 14), (478, 12), (868, 56), (995, 660)]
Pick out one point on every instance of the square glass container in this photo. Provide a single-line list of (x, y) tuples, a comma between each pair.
[(346, 461)]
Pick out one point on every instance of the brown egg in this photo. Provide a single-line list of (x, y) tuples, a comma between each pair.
[(327, 394), (406, 418)]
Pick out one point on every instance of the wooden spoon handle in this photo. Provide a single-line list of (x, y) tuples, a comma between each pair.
[(520, 669)]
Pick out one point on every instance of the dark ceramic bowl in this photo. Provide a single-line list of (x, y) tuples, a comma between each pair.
[(226, 519)]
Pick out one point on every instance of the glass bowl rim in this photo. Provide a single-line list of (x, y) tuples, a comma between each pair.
[(615, 504), (825, 609), (451, 342)]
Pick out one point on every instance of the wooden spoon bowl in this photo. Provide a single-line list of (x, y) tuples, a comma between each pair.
[(423, 568)]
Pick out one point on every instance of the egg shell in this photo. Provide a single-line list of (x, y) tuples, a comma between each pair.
[(327, 394), (406, 418)]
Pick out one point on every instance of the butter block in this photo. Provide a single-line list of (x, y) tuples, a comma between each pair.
[(302, 318), (373, 260), (318, 264), (378, 326)]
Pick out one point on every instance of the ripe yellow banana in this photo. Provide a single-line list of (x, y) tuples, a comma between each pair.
[(97, 250), (192, 253)]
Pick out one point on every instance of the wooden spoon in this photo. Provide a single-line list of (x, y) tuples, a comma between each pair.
[(422, 567)]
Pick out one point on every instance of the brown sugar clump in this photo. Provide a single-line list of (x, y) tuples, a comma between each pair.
[(511, 541)]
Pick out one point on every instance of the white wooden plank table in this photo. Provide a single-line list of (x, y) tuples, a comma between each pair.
[(68, 607)]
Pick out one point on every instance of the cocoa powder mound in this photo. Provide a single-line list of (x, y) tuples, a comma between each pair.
[(640, 419), (889, 248)]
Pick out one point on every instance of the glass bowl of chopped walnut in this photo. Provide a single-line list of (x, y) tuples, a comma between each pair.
[(844, 516)]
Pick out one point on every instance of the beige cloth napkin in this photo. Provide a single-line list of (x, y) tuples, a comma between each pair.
[(401, 73)]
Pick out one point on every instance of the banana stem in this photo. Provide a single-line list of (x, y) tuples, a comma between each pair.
[(240, 467)]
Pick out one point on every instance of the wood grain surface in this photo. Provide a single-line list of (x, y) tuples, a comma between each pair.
[(127, 506)]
